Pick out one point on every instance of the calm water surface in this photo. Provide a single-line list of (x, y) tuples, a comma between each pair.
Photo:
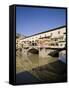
[(31, 61)]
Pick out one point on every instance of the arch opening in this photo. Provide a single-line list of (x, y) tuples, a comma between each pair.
[(33, 51)]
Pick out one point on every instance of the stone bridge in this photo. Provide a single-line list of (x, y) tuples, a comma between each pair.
[(42, 51)]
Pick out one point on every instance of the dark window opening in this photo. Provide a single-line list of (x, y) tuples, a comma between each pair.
[(58, 32)]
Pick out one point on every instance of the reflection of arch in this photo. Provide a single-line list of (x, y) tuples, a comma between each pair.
[(33, 50)]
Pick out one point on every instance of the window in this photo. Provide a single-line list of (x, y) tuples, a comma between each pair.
[(55, 39), (30, 41), (52, 44), (56, 44), (58, 32)]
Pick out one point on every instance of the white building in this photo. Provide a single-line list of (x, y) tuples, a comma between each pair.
[(51, 38)]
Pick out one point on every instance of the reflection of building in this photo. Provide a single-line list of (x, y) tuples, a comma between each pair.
[(52, 38)]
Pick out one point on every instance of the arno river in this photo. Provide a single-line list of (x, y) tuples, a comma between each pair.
[(48, 69), (31, 61)]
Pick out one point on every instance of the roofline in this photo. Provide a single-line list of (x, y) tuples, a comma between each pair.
[(47, 31)]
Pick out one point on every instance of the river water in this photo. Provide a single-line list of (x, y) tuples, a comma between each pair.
[(32, 68), (31, 61)]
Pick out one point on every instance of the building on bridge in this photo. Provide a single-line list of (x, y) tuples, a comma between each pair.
[(19, 37), (52, 38)]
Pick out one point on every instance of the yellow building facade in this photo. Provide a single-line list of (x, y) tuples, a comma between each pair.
[(51, 38)]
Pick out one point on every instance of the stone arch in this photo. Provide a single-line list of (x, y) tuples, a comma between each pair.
[(33, 51)]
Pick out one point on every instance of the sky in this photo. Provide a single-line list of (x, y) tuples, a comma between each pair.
[(30, 20)]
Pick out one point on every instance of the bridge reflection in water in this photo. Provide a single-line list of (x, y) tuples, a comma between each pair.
[(47, 69)]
